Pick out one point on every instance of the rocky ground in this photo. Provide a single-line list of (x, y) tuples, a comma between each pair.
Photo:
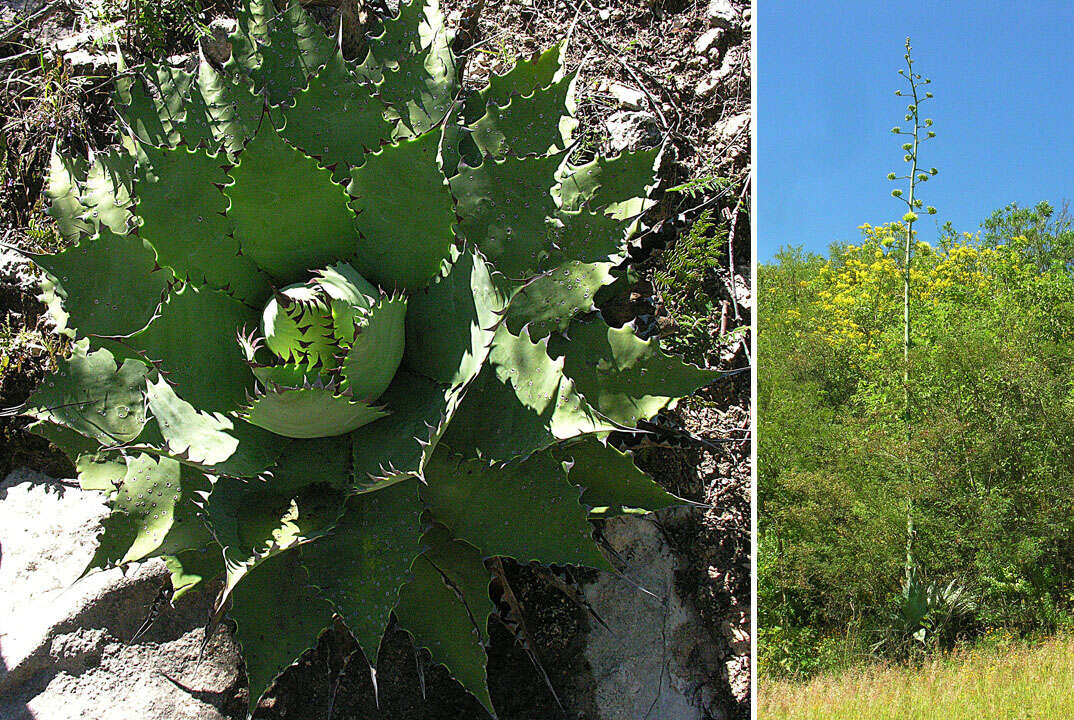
[(667, 71)]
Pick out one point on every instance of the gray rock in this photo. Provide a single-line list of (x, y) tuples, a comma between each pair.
[(658, 660), (723, 14), (65, 644), (709, 40), (625, 95), (632, 130)]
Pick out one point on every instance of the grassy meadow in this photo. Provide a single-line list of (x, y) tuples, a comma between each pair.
[(1021, 682)]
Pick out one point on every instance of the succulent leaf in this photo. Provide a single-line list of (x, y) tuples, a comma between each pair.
[(92, 395), (287, 232), (227, 446), (183, 216), (533, 124), (525, 78), (221, 112), (374, 358), (397, 447), (110, 285), (610, 480), (619, 186), (278, 50), (504, 207), (278, 616), (525, 510), (444, 613), (106, 193), (375, 542), (215, 354), (548, 303), (627, 379), (63, 190), (309, 412), (398, 247), (150, 103), (336, 118), (142, 511), (521, 403), (412, 63), (453, 353)]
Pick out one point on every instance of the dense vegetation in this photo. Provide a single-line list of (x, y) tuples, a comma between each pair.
[(992, 411)]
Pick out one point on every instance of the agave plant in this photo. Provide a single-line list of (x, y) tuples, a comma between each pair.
[(335, 341)]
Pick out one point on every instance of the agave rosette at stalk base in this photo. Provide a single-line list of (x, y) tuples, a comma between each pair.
[(335, 335)]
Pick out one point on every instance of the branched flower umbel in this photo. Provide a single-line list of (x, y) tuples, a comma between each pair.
[(336, 341)]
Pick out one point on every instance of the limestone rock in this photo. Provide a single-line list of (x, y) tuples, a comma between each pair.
[(658, 660), (722, 14), (708, 41), (66, 648), (632, 130)]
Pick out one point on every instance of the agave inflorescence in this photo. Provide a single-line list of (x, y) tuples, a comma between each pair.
[(336, 341)]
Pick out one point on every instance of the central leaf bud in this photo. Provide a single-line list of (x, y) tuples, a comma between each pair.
[(333, 346)]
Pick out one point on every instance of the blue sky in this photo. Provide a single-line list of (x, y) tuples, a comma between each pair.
[(1003, 78)]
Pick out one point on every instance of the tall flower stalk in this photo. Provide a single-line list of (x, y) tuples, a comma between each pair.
[(916, 134)]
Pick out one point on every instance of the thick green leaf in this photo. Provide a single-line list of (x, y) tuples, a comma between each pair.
[(397, 447), (194, 340), (361, 565), (279, 51), (461, 566), (413, 64), (106, 193), (626, 378), (188, 531), (548, 303), (278, 616), (434, 613), (610, 478), (373, 359), (221, 112), (252, 521), (406, 223), (299, 328), (289, 216), (63, 190), (587, 237), (526, 510), (227, 446), (525, 78), (504, 208), (151, 102), (336, 119), (533, 124), (453, 352), (100, 470), (521, 403), (73, 444), (89, 394), (142, 511), (308, 412), (619, 186), (189, 568), (110, 284), (183, 217), (325, 461)]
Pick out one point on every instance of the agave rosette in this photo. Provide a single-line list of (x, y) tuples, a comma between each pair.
[(335, 334)]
